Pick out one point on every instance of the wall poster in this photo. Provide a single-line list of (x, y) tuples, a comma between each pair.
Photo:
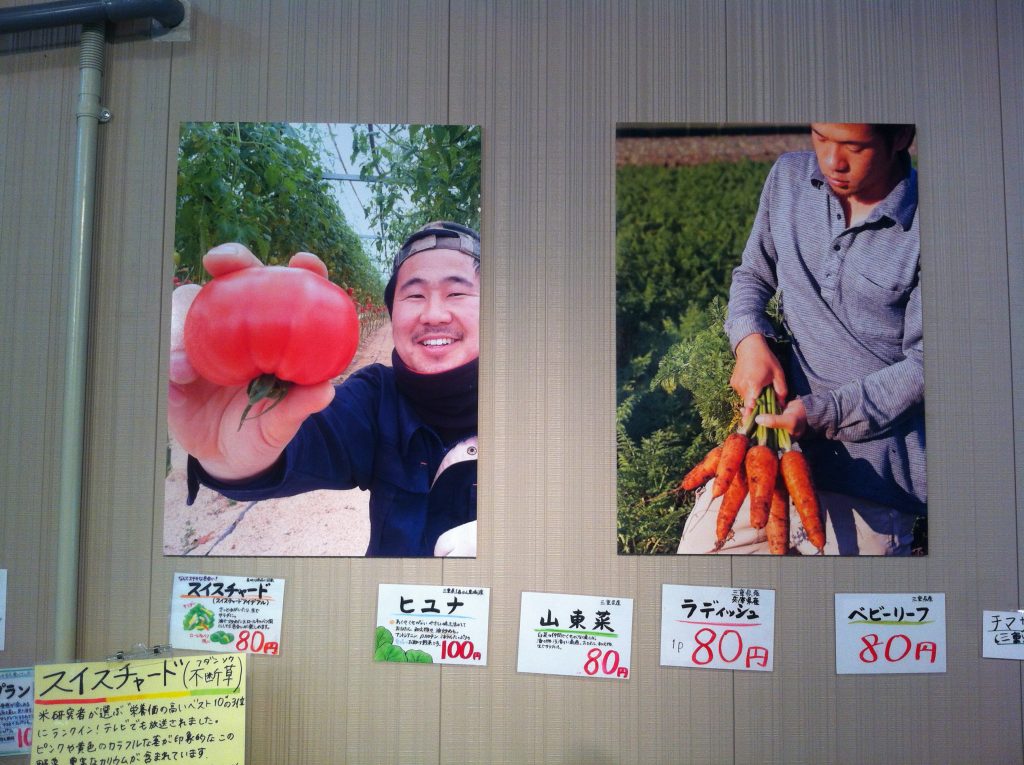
[(324, 342), (770, 377)]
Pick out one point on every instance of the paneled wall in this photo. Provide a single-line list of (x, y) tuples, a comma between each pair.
[(548, 81)]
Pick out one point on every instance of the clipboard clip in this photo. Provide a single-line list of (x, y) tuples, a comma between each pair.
[(141, 651)]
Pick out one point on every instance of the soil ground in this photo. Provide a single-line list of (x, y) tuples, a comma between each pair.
[(674, 150), (318, 523)]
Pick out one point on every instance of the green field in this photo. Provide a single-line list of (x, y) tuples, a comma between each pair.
[(679, 233)]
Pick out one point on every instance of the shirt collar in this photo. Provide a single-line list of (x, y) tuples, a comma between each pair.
[(899, 206)]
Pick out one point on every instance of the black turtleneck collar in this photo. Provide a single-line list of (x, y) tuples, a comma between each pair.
[(446, 401)]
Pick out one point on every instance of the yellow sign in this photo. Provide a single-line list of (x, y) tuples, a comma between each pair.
[(189, 709)]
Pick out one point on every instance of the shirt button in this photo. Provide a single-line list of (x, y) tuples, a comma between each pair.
[(835, 247), (839, 216)]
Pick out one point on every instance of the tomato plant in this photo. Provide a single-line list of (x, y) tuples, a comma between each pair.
[(268, 327)]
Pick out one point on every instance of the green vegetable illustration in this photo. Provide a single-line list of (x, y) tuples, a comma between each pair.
[(198, 618), (222, 637), (388, 651)]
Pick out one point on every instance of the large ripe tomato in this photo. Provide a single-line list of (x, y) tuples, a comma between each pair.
[(273, 320)]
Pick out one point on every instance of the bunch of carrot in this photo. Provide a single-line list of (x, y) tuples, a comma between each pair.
[(747, 462)]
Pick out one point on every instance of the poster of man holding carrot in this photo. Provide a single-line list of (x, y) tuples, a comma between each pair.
[(802, 421)]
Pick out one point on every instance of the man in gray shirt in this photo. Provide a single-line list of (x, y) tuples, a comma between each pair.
[(836, 233)]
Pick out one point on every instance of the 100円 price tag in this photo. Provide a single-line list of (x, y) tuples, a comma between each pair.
[(432, 624)]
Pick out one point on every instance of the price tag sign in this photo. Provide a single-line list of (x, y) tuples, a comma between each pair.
[(432, 624), (890, 633), (1002, 635), (717, 627), (227, 613), (578, 635), (16, 698), (152, 710)]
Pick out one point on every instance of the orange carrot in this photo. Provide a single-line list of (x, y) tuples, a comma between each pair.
[(762, 466), (778, 519), (733, 449), (730, 506), (704, 470), (797, 475)]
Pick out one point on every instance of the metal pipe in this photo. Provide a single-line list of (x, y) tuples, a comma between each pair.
[(169, 13), (89, 114)]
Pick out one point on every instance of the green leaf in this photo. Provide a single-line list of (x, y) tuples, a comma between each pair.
[(419, 657), (432, 173), (384, 637), (392, 653), (679, 233), (261, 184)]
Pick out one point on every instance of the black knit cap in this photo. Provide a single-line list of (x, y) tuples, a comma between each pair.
[(436, 235)]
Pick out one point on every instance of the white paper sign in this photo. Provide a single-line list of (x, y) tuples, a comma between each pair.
[(890, 633), (717, 627), (1002, 635), (227, 613), (432, 624), (16, 708), (579, 635), (3, 606)]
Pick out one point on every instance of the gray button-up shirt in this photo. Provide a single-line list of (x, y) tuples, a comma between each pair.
[(852, 304)]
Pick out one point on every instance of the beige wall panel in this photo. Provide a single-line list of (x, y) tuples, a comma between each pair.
[(38, 83), (551, 81), (358, 61), (1010, 21), (921, 63), (672, 60), (548, 82), (967, 308)]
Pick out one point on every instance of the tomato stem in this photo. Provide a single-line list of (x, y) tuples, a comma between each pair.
[(264, 387)]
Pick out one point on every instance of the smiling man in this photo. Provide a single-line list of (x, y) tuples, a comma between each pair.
[(836, 235), (405, 432)]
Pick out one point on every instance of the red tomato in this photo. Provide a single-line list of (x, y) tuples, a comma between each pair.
[(276, 320)]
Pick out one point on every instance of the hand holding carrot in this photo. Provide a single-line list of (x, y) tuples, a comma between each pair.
[(793, 419), (748, 462), (756, 368)]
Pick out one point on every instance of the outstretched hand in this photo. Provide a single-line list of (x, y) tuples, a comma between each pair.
[(204, 417)]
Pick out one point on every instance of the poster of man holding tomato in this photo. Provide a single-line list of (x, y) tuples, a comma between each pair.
[(806, 387), (264, 404)]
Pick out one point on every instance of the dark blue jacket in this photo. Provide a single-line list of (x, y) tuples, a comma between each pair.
[(370, 437)]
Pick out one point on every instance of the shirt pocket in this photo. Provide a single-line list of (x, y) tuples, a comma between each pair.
[(398, 505), (871, 307)]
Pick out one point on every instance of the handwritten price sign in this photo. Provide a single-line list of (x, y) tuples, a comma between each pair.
[(227, 613), (1002, 635), (16, 697), (579, 635), (432, 624), (717, 627), (890, 633)]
